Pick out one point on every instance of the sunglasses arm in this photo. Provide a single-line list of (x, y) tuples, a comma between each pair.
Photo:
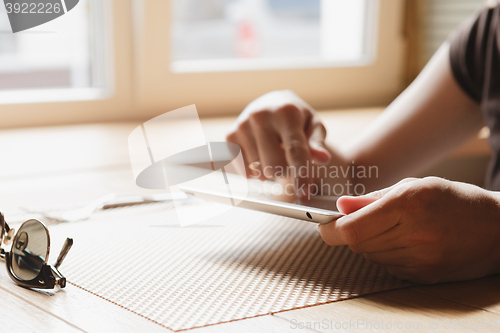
[(60, 280), (64, 251)]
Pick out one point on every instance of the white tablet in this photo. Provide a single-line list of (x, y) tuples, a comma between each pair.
[(301, 212)]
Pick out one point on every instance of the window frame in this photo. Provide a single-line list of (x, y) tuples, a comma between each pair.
[(160, 89), (144, 85), (45, 107), (289, 63)]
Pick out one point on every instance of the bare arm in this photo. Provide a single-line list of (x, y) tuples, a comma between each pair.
[(430, 119)]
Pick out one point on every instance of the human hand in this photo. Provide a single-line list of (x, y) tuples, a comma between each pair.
[(425, 230), (279, 130)]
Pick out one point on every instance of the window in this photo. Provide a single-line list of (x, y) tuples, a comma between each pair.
[(46, 56), (66, 53), (215, 35), (355, 57), (132, 59), (76, 68)]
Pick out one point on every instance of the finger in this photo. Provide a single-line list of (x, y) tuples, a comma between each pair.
[(297, 156), (296, 148), (242, 169), (316, 133), (244, 138), (361, 225), (379, 216), (272, 156), (349, 204)]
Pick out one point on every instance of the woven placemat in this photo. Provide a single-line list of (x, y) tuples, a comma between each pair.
[(251, 265)]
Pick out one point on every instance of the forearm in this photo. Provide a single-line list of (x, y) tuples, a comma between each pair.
[(431, 118)]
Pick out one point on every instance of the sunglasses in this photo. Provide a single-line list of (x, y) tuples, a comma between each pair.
[(27, 260)]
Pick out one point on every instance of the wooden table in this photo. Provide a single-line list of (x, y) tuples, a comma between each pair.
[(54, 166)]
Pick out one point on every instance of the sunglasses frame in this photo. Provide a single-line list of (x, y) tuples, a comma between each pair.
[(49, 276)]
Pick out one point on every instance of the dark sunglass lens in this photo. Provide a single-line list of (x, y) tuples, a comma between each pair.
[(30, 250)]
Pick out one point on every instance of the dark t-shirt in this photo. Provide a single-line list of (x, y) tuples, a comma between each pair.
[(475, 62)]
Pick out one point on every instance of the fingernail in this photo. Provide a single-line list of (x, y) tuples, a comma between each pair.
[(316, 145)]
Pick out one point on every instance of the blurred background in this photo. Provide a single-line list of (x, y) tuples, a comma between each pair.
[(145, 56)]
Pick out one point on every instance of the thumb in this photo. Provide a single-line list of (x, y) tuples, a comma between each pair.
[(319, 152), (348, 204)]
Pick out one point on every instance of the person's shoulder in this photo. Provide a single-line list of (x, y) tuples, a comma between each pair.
[(469, 48)]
